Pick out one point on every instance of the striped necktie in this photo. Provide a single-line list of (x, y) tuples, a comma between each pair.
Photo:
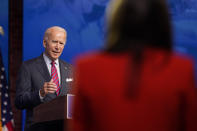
[(55, 77)]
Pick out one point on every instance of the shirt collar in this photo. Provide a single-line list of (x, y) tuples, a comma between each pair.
[(48, 60)]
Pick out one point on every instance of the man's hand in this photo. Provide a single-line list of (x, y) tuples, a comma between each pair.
[(48, 87)]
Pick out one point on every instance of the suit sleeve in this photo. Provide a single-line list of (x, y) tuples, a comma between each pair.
[(26, 96)]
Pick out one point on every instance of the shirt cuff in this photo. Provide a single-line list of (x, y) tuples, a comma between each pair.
[(41, 98)]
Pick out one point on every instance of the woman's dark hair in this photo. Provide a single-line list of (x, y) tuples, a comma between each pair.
[(139, 22), (134, 25)]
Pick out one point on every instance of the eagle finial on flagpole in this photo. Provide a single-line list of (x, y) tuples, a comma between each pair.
[(1, 31)]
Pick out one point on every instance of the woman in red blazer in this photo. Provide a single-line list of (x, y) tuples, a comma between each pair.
[(137, 83)]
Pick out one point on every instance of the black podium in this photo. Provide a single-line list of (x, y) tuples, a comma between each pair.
[(51, 116)]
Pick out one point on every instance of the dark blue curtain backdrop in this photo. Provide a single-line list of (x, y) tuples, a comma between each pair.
[(184, 21), (4, 38), (84, 22)]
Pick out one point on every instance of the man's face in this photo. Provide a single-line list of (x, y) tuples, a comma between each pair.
[(54, 45)]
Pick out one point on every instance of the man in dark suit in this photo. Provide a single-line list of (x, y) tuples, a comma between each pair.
[(41, 81)]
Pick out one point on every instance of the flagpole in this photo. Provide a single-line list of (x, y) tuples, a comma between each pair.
[(0, 106), (1, 33)]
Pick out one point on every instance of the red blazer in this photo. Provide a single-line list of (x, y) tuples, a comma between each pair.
[(165, 99)]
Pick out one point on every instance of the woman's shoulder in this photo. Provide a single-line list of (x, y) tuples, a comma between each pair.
[(99, 56), (182, 59), (173, 56)]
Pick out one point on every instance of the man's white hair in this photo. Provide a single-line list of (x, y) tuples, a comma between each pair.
[(51, 29)]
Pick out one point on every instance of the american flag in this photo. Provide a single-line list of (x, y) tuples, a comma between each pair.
[(6, 113)]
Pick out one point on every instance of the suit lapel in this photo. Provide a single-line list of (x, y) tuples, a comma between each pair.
[(64, 75), (42, 67)]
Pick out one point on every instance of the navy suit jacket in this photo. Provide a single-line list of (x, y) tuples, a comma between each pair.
[(32, 75)]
